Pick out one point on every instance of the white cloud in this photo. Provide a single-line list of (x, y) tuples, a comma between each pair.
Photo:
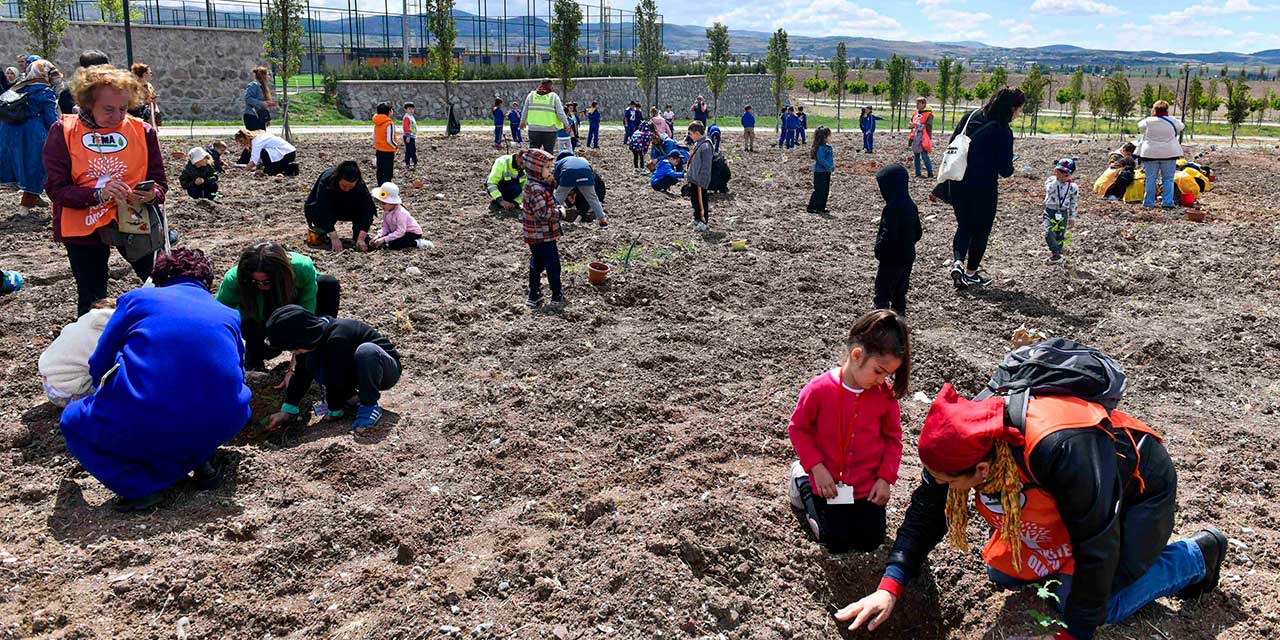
[(1080, 8), (957, 17), (816, 19)]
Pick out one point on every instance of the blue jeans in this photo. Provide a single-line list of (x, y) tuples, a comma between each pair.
[(1180, 565), (928, 163), (1165, 170)]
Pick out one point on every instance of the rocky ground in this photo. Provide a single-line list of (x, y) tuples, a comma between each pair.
[(615, 470)]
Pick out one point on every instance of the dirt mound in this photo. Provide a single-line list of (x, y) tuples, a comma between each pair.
[(614, 470)]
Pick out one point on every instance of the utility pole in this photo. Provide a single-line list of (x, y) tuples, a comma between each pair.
[(1186, 84), (404, 32), (128, 35)]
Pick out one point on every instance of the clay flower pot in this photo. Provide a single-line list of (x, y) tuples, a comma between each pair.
[(418, 184), (597, 273), (322, 155), (177, 155)]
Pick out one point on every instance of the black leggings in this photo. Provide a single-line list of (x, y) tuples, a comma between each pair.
[(821, 190), (407, 241), (844, 527), (286, 165), (637, 159), (974, 219), (256, 351), (89, 266)]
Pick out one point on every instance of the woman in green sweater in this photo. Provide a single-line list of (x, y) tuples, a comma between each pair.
[(266, 278)]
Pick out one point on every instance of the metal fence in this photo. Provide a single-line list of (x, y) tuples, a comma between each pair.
[(507, 32)]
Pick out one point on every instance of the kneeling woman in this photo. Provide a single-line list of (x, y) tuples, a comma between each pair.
[(266, 278), (170, 389), (1075, 496), (267, 151)]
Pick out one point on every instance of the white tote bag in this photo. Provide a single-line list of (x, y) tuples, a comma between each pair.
[(956, 158)]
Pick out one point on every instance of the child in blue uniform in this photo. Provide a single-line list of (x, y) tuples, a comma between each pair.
[(514, 118), (593, 125), (713, 132), (802, 123), (867, 123), (630, 121), (498, 119), (748, 129)]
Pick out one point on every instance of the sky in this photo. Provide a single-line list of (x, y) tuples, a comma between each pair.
[(1243, 26)]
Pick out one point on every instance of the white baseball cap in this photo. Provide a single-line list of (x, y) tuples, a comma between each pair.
[(388, 193), (196, 155)]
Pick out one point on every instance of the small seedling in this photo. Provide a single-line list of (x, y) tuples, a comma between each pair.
[(1045, 591)]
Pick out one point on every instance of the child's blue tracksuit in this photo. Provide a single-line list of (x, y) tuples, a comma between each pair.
[(868, 126), (514, 119), (593, 128), (630, 122), (789, 125), (498, 118), (665, 176), (802, 122)]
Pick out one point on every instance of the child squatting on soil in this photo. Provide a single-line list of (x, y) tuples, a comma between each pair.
[(64, 366), (541, 221), (399, 229), (847, 432), (1061, 201), (200, 176), (354, 362), (896, 239)]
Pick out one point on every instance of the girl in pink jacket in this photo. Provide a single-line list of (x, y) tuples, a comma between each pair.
[(399, 229)]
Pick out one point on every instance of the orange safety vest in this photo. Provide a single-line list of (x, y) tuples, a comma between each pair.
[(99, 155), (1046, 544), (381, 131)]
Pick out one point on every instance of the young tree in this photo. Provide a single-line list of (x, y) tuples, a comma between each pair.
[(1195, 91), (999, 79), (1096, 104), (982, 90), (1076, 88), (1148, 97), (1237, 104), (717, 63), (45, 20), (566, 25), (648, 51), (1274, 99), (1120, 98), (944, 86), (878, 65), (814, 85), (958, 91), (840, 74), (1033, 85), (777, 61), (282, 25), (442, 27), (1259, 106)]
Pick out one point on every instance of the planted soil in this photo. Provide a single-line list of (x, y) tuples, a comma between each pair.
[(616, 469)]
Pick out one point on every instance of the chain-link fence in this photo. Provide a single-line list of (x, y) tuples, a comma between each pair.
[(490, 32)]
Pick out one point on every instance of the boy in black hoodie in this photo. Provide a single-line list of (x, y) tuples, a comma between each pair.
[(348, 357), (895, 239)]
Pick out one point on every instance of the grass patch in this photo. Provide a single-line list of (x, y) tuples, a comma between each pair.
[(643, 256)]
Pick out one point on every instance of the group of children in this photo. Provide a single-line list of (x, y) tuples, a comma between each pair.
[(793, 125), (512, 116)]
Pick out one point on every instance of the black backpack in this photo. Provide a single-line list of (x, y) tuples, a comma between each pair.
[(720, 173), (15, 111), (1057, 367)]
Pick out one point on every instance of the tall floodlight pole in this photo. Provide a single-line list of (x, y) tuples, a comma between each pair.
[(128, 35), (404, 32)]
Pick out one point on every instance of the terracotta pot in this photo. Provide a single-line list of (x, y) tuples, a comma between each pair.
[(1195, 215), (418, 184), (597, 273), (177, 155), (322, 155)]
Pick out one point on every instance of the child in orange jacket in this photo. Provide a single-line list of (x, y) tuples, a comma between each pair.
[(384, 142)]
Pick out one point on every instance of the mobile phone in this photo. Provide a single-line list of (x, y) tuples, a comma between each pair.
[(145, 185)]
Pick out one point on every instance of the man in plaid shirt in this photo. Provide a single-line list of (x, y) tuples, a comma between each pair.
[(541, 218)]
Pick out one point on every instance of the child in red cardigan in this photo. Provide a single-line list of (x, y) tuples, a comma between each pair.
[(847, 432)]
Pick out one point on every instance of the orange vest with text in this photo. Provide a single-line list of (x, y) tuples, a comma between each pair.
[(97, 156), (1046, 544)]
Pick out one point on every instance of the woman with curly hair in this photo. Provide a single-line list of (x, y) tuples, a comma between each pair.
[(1078, 498), (103, 164), (169, 386)]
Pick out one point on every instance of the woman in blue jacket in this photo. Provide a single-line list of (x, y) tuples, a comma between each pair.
[(170, 386), (258, 102), (22, 143)]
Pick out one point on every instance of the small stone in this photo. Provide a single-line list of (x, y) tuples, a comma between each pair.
[(449, 630), (32, 493), (483, 627), (504, 585), (412, 271), (439, 196), (560, 632), (921, 398), (455, 609), (1238, 544), (180, 629)]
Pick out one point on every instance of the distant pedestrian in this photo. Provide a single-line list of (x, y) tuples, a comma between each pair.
[(384, 143), (748, 129), (823, 164), (593, 125), (499, 118), (513, 117), (410, 136)]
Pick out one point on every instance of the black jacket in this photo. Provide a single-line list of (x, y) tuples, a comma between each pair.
[(327, 203), (332, 360), (990, 153), (1087, 472), (899, 228)]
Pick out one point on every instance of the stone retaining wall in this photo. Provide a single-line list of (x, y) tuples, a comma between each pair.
[(191, 66), (473, 99)]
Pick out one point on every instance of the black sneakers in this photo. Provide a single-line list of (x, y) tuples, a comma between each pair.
[(978, 279), (207, 477), (1213, 546), (957, 274)]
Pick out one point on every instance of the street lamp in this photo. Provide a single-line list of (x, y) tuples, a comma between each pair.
[(128, 35)]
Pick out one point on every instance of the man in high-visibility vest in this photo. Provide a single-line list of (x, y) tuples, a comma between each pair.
[(543, 116)]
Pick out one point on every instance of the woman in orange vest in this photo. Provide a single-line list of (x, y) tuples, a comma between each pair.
[(95, 161), (1076, 496)]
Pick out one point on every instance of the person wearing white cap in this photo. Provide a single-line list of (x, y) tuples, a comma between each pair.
[(200, 177), (399, 229)]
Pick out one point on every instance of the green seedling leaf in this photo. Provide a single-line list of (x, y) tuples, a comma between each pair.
[(1045, 591)]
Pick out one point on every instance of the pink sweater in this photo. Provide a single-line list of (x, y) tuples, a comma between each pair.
[(396, 223), (872, 428)]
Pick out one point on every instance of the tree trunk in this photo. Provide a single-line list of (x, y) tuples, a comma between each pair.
[(838, 100), (285, 130)]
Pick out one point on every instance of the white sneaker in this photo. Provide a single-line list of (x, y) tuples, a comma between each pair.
[(793, 492), (702, 228)]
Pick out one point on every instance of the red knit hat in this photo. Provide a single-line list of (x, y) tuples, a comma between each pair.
[(958, 433)]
